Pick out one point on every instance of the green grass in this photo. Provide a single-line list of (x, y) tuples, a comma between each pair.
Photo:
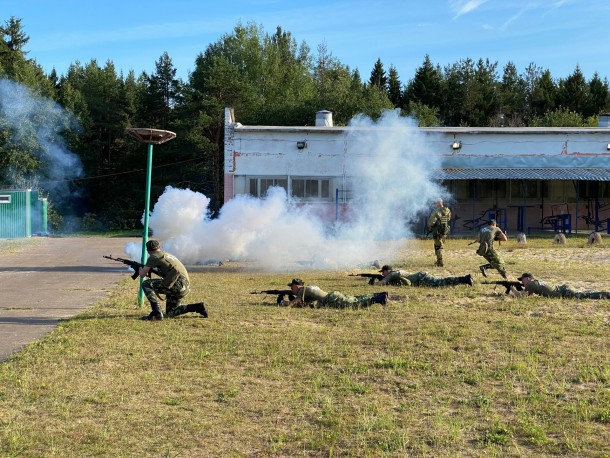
[(441, 372)]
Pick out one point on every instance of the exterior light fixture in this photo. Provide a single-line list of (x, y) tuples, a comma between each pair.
[(456, 145), (302, 144)]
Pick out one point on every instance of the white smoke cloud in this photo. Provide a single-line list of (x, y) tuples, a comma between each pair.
[(395, 171), (35, 123)]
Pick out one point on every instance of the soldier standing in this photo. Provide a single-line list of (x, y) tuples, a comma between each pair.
[(438, 225), (486, 237)]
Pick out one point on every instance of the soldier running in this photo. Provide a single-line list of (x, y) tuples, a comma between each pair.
[(486, 237)]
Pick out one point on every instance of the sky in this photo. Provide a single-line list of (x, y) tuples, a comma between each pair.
[(557, 35)]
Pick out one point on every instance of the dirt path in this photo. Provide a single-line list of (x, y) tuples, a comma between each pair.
[(53, 280)]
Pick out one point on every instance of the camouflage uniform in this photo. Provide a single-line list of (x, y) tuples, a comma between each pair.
[(438, 224), (402, 278), (315, 297), (487, 235), (565, 291), (174, 283)]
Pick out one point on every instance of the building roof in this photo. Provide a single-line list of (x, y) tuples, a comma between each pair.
[(592, 174)]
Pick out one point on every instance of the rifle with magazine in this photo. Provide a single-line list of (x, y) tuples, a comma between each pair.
[(280, 294), (507, 284), (135, 265), (371, 277)]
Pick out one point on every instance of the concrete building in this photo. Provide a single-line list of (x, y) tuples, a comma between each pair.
[(529, 179)]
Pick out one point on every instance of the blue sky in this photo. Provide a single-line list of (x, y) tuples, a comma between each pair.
[(133, 34)]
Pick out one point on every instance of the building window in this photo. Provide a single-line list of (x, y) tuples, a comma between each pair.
[(593, 189), (5, 199), (260, 186), (310, 188), (529, 189), (306, 189), (486, 189), (461, 190), (603, 189)]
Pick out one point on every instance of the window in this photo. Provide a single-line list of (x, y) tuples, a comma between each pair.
[(260, 186), (529, 189), (592, 189), (486, 189), (462, 189), (603, 189), (5, 199), (311, 188), (305, 189)]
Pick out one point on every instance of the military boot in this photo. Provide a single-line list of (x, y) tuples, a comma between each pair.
[(484, 268), (380, 298), (155, 315), (440, 263), (199, 307), (170, 309), (467, 280)]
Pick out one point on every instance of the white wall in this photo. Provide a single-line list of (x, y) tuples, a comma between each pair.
[(272, 150)]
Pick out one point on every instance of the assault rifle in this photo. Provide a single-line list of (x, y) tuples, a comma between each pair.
[(135, 265), (372, 277), (496, 238), (507, 284), (280, 294)]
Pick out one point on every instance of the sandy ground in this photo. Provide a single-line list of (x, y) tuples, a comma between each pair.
[(53, 279)]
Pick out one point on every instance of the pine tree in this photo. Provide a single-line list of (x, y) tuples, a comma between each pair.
[(378, 78), (395, 88)]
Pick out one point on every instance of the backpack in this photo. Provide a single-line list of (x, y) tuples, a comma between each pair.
[(441, 227)]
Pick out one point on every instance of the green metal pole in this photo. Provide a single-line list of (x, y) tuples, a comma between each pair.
[(146, 212)]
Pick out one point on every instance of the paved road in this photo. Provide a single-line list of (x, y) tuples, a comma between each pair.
[(52, 280)]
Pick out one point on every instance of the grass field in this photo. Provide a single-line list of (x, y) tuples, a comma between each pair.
[(458, 371)]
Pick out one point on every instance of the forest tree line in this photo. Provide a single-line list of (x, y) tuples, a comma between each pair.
[(269, 79)]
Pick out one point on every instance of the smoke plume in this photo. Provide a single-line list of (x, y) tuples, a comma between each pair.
[(34, 124), (395, 186)]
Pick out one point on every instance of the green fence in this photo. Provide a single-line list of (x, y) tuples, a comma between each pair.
[(22, 213)]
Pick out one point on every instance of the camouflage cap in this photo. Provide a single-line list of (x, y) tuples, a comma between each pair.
[(386, 267), (153, 245), (525, 275), (491, 222), (296, 281)]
